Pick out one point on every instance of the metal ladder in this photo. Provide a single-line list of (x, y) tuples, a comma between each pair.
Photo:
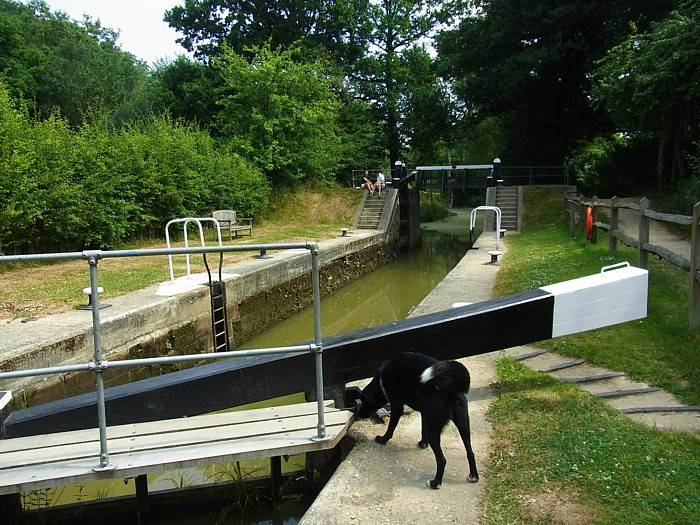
[(219, 318)]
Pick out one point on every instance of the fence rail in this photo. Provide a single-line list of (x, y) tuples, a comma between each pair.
[(577, 208)]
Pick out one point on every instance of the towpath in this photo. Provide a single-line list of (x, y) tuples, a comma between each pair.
[(387, 484)]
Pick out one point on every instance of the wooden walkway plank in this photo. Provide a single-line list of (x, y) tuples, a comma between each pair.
[(144, 450), (163, 426), (155, 441)]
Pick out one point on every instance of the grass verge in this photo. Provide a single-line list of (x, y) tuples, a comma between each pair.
[(560, 455), (659, 349), (33, 290)]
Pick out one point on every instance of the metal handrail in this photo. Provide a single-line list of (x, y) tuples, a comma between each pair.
[(472, 220), (98, 364), (186, 221)]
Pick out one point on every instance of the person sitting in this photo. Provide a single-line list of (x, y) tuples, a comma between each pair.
[(380, 182), (367, 183)]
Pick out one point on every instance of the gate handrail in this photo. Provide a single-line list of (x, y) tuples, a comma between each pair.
[(98, 364)]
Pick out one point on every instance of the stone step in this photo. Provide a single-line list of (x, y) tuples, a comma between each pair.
[(650, 399)]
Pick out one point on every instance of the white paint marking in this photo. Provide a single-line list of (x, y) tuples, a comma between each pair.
[(427, 375), (599, 300)]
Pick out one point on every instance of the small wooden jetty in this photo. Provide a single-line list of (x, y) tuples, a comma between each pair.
[(41, 461)]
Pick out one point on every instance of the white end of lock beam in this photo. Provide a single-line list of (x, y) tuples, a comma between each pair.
[(604, 299)]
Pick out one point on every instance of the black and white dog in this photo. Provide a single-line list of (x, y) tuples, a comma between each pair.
[(436, 389)]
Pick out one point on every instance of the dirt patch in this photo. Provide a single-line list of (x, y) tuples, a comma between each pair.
[(560, 506)]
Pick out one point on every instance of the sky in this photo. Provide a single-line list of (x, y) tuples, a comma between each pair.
[(142, 31)]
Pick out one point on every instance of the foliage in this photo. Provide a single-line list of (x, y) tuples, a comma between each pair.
[(433, 207), (687, 193), (529, 63), (561, 455), (57, 63), (650, 82), (427, 109), (97, 186), (280, 113), (393, 31), (186, 89), (592, 158), (210, 25)]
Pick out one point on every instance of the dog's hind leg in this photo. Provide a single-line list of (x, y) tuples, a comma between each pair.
[(434, 440), (423, 443), (396, 413), (460, 417)]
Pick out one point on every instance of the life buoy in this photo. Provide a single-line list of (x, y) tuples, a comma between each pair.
[(589, 223)]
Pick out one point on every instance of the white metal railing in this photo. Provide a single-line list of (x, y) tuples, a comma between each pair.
[(186, 221), (472, 220)]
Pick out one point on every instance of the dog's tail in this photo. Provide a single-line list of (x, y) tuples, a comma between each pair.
[(448, 377)]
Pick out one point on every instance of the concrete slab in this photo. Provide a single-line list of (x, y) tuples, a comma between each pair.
[(676, 421)]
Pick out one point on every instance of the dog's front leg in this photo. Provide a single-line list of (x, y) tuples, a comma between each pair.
[(396, 413)]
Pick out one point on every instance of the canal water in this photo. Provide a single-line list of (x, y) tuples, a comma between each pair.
[(387, 294)]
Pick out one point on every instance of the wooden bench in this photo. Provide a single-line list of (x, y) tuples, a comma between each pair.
[(49, 460), (227, 219)]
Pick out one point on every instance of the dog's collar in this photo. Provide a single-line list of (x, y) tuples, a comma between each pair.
[(381, 385)]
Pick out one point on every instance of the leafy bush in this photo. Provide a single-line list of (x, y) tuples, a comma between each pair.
[(687, 192), (97, 186), (280, 113), (615, 164), (433, 207)]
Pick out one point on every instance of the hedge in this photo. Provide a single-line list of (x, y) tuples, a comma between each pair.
[(96, 186)]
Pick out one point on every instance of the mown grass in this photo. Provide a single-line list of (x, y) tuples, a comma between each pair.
[(561, 455), (659, 349), (28, 290)]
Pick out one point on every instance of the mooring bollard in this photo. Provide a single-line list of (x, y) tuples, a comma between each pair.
[(263, 255), (343, 232), (88, 291), (494, 256)]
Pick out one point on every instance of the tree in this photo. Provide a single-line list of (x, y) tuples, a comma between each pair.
[(650, 83), (209, 24), (280, 113), (529, 64), (56, 62), (395, 28)]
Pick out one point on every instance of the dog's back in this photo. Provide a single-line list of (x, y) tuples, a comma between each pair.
[(448, 377)]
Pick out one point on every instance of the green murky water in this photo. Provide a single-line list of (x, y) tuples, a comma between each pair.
[(385, 295)]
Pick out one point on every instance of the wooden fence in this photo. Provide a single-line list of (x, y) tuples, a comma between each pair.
[(577, 207)]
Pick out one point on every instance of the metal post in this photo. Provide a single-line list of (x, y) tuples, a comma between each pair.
[(316, 291), (694, 313), (612, 239), (97, 360), (642, 255)]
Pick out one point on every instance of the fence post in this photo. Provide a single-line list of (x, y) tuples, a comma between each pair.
[(582, 218), (694, 314), (594, 219), (643, 236), (572, 219), (612, 240)]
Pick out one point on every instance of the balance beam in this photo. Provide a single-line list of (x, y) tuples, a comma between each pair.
[(587, 303)]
